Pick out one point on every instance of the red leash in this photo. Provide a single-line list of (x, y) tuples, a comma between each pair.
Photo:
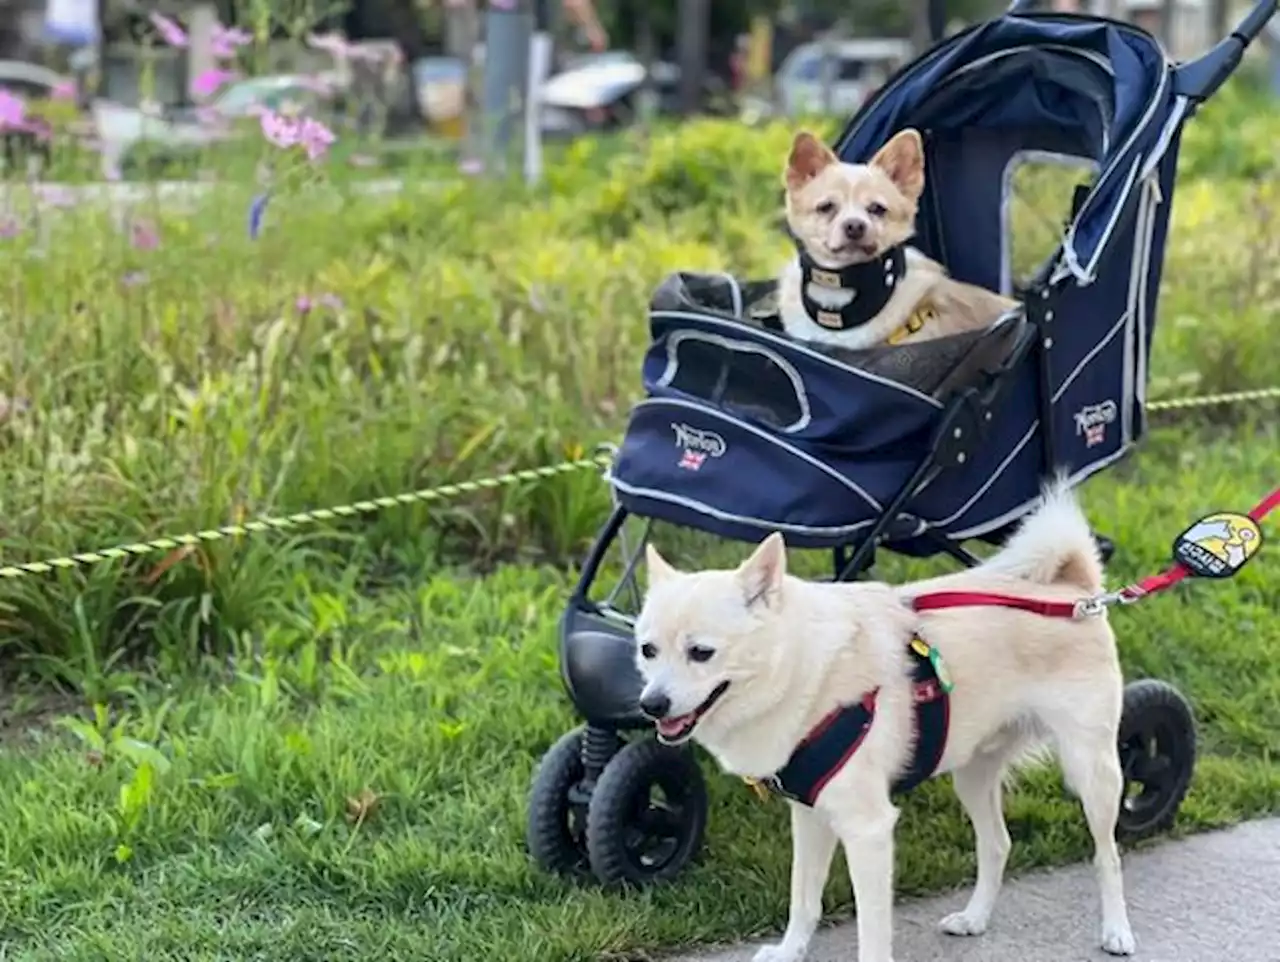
[(1078, 609)]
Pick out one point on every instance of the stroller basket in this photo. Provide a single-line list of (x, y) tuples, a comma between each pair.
[(746, 431)]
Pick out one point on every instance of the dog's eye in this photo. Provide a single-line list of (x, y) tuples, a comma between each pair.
[(877, 210), (826, 208), (700, 653), (648, 651)]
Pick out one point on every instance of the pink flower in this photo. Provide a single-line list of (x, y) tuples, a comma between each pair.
[(316, 138), (144, 235), (227, 40), (13, 111), (279, 130), (209, 82), (305, 304), (169, 31), (10, 227), (63, 90), (286, 132)]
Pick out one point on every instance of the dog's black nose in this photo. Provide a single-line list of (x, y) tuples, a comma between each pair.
[(655, 704), (854, 229)]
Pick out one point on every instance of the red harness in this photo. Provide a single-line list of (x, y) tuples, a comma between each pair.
[(1149, 585)]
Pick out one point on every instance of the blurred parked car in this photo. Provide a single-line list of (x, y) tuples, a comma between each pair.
[(859, 68)]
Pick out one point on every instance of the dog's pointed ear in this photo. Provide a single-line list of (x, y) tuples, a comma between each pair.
[(902, 158), (659, 568), (761, 575), (809, 157)]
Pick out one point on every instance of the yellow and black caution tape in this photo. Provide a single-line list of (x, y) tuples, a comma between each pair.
[(443, 492), (446, 492)]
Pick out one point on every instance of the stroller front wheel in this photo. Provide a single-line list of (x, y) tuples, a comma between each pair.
[(1157, 756), (556, 831), (647, 815)]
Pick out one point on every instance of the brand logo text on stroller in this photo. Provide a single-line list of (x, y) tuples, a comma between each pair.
[(1092, 421), (697, 445)]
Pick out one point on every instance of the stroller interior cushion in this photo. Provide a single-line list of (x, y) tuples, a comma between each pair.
[(936, 367)]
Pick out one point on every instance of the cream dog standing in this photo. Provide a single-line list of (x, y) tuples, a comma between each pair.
[(749, 661), (855, 282)]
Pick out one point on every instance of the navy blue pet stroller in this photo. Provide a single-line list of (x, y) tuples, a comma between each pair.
[(916, 449)]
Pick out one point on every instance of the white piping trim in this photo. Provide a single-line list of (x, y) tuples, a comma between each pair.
[(730, 344), (951, 519), (737, 292), (1141, 126), (1087, 274), (699, 507), (792, 344), (1012, 515), (746, 426), (1084, 362), (1140, 387), (1180, 106)]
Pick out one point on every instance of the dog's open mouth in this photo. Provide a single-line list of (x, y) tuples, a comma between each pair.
[(676, 729)]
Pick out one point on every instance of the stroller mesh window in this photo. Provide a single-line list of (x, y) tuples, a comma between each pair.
[(1038, 201), (740, 378)]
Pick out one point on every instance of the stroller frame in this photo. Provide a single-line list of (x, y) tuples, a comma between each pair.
[(592, 812)]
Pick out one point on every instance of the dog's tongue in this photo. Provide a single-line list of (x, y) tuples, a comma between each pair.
[(674, 725)]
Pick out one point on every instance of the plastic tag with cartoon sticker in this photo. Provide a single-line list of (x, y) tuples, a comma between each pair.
[(1218, 546)]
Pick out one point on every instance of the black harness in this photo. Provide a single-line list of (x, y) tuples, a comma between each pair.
[(869, 286), (837, 737)]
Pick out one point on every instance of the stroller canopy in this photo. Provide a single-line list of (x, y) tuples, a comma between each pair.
[(1048, 84)]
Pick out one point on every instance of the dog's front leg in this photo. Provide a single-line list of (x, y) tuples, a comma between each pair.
[(867, 834), (813, 842)]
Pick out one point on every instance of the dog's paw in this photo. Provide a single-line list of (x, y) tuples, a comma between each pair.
[(777, 953), (1118, 941), (962, 923)]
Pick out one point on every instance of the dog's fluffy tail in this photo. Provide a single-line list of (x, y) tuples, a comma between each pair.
[(1053, 546)]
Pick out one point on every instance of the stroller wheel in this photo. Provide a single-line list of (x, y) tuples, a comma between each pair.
[(557, 830), (1157, 757), (647, 815)]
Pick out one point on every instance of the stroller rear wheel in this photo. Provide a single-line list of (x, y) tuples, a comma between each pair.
[(647, 815), (1157, 756)]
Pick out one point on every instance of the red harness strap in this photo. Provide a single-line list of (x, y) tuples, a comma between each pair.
[(1149, 585)]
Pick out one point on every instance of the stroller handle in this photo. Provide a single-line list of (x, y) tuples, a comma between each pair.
[(1199, 79)]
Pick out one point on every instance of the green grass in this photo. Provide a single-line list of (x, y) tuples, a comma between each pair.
[(439, 694), (183, 733)]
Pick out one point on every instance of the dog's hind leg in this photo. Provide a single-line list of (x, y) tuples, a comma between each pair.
[(813, 843), (1092, 769), (979, 786)]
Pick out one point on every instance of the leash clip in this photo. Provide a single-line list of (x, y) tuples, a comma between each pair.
[(1098, 604)]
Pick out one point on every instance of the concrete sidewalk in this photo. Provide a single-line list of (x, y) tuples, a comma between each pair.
[(1210, 898)]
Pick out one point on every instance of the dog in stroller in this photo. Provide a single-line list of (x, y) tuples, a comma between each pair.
[(920, 449)]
